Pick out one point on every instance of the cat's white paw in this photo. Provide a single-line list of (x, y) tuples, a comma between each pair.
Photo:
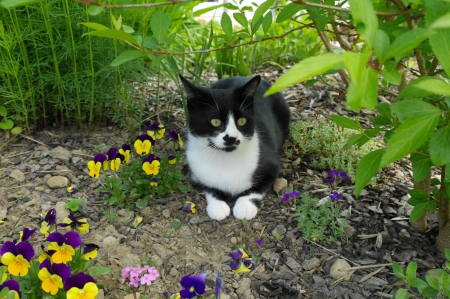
[(245, 208), (216, 209)]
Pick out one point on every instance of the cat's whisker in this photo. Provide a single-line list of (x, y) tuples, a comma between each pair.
[(214, 101)]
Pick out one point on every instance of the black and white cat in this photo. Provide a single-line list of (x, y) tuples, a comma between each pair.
[(234, 143)]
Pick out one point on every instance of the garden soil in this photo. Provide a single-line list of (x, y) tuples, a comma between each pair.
[(37, 168)]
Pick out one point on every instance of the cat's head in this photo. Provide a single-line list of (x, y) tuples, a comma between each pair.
[(224, 116)]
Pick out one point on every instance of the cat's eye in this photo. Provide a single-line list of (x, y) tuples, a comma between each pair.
[(216, 122), (242, 121)]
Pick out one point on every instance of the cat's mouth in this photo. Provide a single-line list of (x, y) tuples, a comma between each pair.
[(225, 148)]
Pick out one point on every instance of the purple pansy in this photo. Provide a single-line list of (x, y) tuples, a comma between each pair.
[(12, 285), (26, 233), (173, 135), (193, 285), (304, 247), (78, 281), (258, 242), (61, 270), (287, 197), (334, 196), (50, 217), (218, 288), (70, 238), (23, 248)]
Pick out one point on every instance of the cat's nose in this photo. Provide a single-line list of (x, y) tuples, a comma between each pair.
[(229, 141)]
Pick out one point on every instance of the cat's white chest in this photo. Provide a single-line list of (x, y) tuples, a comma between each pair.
[(228, 171)]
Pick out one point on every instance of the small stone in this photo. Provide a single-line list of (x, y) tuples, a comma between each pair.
[(280, 230), (404, 233), (129, 259), (162, 251), (126, 213), (280, 184), (336, 269), (296, 162), (17, 175), (166, 213), (173, 272), (389, 210), (60, 153), (311, 263), (293, 264), (309, 172), (57, 181), (318, 281), (363, 192), (234, 240), (349, 231), (257, 226), (39, 188)]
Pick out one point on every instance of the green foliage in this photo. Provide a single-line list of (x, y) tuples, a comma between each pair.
[(434, 286), (318, 223), (326, 144), (74, 204)]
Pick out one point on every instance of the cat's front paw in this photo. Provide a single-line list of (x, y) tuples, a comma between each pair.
[(245, 207), (217, 209)]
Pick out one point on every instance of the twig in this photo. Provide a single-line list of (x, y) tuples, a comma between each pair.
[(33, 140), (8, 141), (368, 276), (369, 266), (378, 13), (336, 254), (384, 295)]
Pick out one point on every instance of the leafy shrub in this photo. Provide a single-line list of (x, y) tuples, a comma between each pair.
[(325, 144), (318, 223)]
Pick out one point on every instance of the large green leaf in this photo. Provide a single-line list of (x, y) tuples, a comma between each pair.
[(406, 42), (363, 93), (267, 22), (365, 19), (127, 56), (95, 26), (409, 136), (261, 10), (241, 19), (421, 166), (440, 42), (210, 8), (3, 111), (425, 86), (356, 63), (442, 22), (412, 107), (418, 210), (411, 270), (381, 45), (16, 3), (345, 122), (160, 24), (6, 124), (113, 33), (227, 25), (440, 146), (307, 68), (367, 168), (288, 11)]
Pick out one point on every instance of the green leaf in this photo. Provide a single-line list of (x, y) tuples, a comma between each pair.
[(392, 76), (365, 19), (241, 19), (16, 130), (113, 33), (440, 146), (441, 22), (406, 42), (127, 29), (116, 23), (127, 56), (411, 271), (288, 12), (6, 124), (175, 224), (418, 211), (16, 3), (94, 10), (307, 68), (414, 201), (141, 203), (435, 182), (425, 86), (98, 271), (365, 92), (409, 136), (384, 109), (440, 42), (267, 22), (3, 111), (353, 140), (402, 294), (344, 122), (381, 45), (398, 271), (421, 166), (227, 25), (211, 8), (160, 24), (95, 26), (432, 206), (417, 283), (412, 107), (432, 281), (261, 10), (355, 64), (367, 168), (419, 193), (381, 121), (368, 134)]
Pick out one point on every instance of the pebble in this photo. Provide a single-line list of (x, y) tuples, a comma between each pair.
[(309, 172), (319, 281), (60, 153), (280, 184), (257, 226), (311, 263), (349, 231), (17, 175), (338, 265), (57, 181), (293, 264), (404, 233), (280, 229), (234, 240), (166, 213)]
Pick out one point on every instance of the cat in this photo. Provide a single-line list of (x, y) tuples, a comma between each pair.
[(234, 143)]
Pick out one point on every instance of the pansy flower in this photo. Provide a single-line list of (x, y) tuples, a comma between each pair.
[(26, 234), (114, 158), (126, 151), (333, 174), (17, 257), (136, 222), (239, 254), (151, 164), (239, 267), (170, 295), (175, 136), (287, 197), (156, 130), (43, 254), (193, 285), (13, 287), (72, 190), (172, 159), (154, 182), (53, 276), (259, 242), (218, 288), (95, 165), (90, 251), (143, 144), (189, 207), (63, 246), (49, 220), (81, 226), (81, 286), (334, 196)]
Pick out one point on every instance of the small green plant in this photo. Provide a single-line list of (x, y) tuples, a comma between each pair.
[(147, 177), (74, 204), (325, 143), (111, 215), (7, 124), (317, 222), (432, 287)]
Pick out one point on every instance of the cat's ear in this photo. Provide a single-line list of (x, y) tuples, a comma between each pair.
[(191, 89), (250, 87)]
